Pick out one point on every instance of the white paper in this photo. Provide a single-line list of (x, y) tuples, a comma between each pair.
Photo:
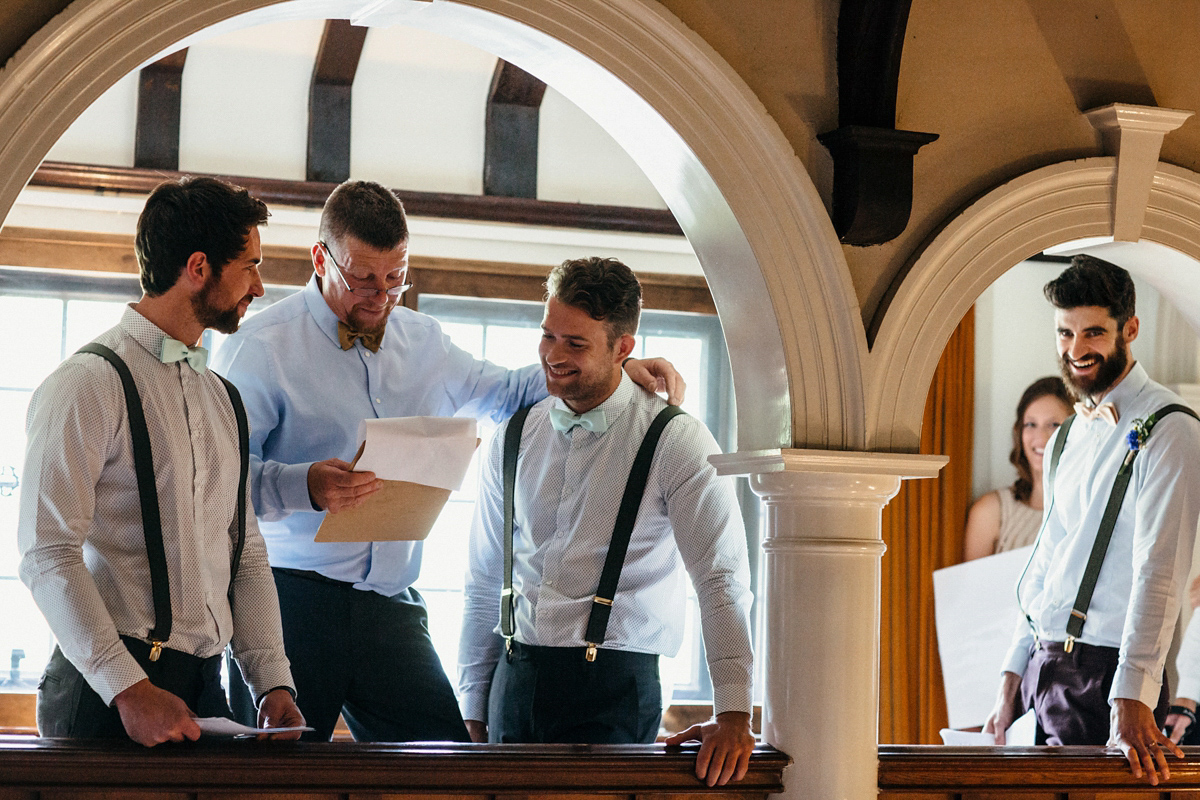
[(975, 606), (433, 451), (1019, 734), (955, 738), (220, 726)]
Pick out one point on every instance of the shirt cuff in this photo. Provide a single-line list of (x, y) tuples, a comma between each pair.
[(293, 487), (1133, 684), (733, 697), (116, 676), (1017, 657), (474, 705)]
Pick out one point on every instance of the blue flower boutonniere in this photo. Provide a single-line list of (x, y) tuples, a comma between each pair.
[(1139, 433)]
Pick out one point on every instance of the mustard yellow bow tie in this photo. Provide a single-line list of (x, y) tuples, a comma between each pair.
[(347, 335), (1104, 411)]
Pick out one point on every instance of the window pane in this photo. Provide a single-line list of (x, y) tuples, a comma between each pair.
[(468, 336), (512, 347), (87, 319), (24, 636), (687, 354), (30, 339)]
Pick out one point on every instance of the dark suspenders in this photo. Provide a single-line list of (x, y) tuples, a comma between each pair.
[(143, 465), (631, 500), (1091, 573)]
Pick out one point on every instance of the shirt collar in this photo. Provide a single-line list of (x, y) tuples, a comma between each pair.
[(616, 402), (1127, 390), (142, 331), (323, 315)]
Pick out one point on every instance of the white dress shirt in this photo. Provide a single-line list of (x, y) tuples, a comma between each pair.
[(569, 487), (80, 527), (1138, 593)]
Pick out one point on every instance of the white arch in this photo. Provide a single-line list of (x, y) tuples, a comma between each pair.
[(752, 214), (1055, 204)]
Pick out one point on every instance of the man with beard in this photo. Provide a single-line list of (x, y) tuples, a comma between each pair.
[(134, 532), (311, 368), (573, 659), (1093, 671)]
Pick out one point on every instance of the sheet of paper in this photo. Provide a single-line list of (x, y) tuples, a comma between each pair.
[(975, 607), (1019, 734), (1022, 732), (220, 726), (955, 738), (433, 451)]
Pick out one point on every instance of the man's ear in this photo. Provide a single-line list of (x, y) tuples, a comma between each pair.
[(1131, 329), (318, 259), (197, 269), (625, 345)]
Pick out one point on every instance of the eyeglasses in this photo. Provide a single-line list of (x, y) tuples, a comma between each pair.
[(363, 291)]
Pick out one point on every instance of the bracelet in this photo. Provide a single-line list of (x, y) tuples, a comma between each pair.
[(1185, 711), (626, 361)]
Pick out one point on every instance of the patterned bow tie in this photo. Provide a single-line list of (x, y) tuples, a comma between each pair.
[(563, 420), (174, 350), (1104, 411), (347, 335)]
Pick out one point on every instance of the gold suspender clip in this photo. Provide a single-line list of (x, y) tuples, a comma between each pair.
[(1069, 644), (155, 649), (590, 655), (604, 601)]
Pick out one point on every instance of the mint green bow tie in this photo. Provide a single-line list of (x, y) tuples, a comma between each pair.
[(174, 350), (563, 420)]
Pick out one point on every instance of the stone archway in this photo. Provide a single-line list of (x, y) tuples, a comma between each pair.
[(752, 214)]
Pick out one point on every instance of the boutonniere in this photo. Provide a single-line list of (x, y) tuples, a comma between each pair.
[(1140, 432)]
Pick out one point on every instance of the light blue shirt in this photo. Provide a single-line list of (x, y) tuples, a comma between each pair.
[(1137, 597), (305, 398)]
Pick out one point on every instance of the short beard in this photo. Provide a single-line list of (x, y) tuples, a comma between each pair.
[(223, 320), (1111, 368)]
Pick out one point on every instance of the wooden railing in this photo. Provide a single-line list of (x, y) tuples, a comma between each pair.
[(89, 770), (1037, 773)]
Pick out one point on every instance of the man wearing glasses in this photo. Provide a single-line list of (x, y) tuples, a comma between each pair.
[(310, 368)]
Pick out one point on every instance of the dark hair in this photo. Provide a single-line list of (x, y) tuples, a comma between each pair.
[(192, 215), (1090, 281), (1052, 386), (368, 212), (603, 287)]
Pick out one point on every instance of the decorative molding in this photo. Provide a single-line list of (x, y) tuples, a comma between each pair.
[(1134, 134), (510, 136), (329, 93), (156, 131), (839, 462), (312, 194)]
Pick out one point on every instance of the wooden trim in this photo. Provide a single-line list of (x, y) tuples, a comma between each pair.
[(291, 266), (515, 210), (395, 770), (156, 131), (329, 95), (18, 713), (510, 138)]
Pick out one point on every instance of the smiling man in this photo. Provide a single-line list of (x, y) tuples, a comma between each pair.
[(596, 589), (1090, 659), (311, 368), (140, 635)]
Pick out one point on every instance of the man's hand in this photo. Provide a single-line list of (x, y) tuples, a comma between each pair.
[(657, 375), (477, 730), (333, 487), (1008, 707), (1178, 722), (152, 715), (1135, 732), (725, 747), (278, 710)]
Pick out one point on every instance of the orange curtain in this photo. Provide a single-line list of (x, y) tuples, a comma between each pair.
[(923, 530)]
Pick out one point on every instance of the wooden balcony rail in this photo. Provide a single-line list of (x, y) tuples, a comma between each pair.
[(1030, 773), (88, 770)]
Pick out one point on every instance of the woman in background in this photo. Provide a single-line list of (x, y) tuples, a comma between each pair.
[(1008, 518)]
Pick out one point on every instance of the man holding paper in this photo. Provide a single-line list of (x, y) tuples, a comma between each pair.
[(135, 531), (595, 590), (1090, 659), (311, 367)]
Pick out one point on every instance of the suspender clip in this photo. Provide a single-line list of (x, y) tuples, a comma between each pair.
[(155, 649), (1069, 644), (590, 655)]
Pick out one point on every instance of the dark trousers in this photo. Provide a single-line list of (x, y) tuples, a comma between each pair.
[(1069, 693), (365, 656), (68, 707), (554, 695)]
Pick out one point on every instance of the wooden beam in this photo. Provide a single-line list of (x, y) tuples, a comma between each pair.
[(329, 101), (510, 140), (515, 210), (156, 134)]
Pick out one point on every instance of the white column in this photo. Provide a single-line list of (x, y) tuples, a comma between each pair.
[(822, 545)]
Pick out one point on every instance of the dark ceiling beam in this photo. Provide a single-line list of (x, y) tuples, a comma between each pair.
[(515, 210), (329, 101), (510, 140), (872, 161), (156, 132)]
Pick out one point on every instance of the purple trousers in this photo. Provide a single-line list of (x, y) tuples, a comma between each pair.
[(1069, 693)]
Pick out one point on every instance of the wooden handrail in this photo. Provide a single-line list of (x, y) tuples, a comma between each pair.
[(395, 769), (950, 772)]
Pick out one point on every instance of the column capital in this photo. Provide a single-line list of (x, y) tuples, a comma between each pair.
[(836, 462)]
